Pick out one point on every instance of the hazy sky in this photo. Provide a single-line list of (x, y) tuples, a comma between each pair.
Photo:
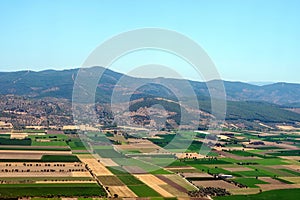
[(248, 40)]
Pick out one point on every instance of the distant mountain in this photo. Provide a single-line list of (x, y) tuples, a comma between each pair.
[(51, 83), (272, 103), (261, 83)]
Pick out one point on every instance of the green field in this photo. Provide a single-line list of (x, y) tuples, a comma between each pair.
[(290, 194), (286, 153), (143, 191), (50, 190), (8, 141), (47, 158), (250, 182), (117, 170), (130, 180)]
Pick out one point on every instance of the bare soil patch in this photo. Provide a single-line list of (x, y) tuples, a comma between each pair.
[(266, 187), (217, 183)]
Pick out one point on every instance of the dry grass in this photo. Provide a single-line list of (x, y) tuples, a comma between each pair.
[(98, 168), (292, 179), (19, 136), (108, 162), (81, 174)]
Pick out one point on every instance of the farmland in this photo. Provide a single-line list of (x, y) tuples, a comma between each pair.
[(49, 190), (252, 164)]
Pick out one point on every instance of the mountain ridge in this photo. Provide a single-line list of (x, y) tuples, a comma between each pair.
[(59, 83)]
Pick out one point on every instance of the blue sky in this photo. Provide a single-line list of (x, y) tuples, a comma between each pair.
[(247, 40)]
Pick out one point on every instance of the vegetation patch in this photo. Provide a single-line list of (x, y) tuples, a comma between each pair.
[(143, 191), (130, 180), (250, 182), (50, 190), (22, 142)]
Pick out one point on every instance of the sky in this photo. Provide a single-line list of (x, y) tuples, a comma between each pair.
[(250, 40)]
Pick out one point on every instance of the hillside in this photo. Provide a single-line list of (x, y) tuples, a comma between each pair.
[(59, 84), (273, 103)]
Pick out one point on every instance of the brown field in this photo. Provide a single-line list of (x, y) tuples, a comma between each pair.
[(98, 168), (108, 162), (141, 145), (110, 181), (180, 181), (81, 174), (174, 191), (122, 191), (12, 155), (76, 181), (197, 175), (217, 183), (270, 180), (35, 155), (281, 145), (148, 178), (236, 157), (291, 167), (173, 184), (266, 187), (244, 191), (155, 183), (291, 158)]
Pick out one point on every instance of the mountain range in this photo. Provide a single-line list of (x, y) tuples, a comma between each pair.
[(273, 103)]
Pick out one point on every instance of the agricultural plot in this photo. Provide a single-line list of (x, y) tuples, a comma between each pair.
[(144, 191), (50, 190), (214, 183), (38, 169), (98, 168), (130, 180), (275, 194), (122, 191), (180, 181), (110, 181), (250, 182)]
